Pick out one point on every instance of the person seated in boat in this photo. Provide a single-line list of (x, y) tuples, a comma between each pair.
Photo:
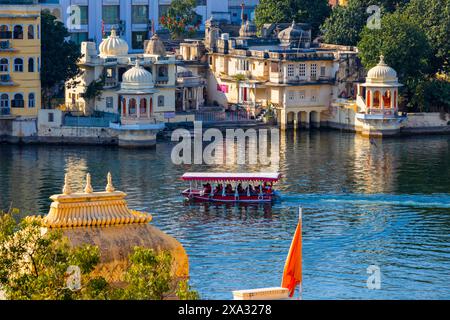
[(267, 188), (218, 190), (251, 190), (207, 188), (258, 189), (240, 189), (229, 189)]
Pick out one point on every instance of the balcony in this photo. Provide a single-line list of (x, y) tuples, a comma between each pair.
[(5, 80), (111, 83), (5, 35)]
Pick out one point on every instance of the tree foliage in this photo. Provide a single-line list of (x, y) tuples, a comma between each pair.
[(433, 17), (313, 12), (36, 266), (59, 56), (345, 23), (181, 18), (403, 44)]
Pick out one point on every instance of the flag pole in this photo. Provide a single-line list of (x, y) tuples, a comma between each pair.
[(300, 220)]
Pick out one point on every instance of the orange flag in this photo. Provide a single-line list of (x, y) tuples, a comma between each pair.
[(292, 275)]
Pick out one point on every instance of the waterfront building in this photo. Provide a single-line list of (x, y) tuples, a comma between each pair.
[(282, 70), (134, 85), (20, 59)]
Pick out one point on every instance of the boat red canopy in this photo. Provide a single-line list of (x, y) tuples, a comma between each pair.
[(226, 176)]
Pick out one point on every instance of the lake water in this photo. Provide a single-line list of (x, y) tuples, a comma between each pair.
[(385, 203)]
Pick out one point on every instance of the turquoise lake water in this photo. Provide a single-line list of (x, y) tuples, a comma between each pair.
[(385, 203)]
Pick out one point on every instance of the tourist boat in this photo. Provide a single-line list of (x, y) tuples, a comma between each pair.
[(231, 187)]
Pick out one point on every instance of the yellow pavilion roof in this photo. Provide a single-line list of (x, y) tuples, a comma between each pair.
[(90, 208)]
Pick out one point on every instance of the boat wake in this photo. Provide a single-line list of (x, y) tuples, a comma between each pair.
[(405, 200)]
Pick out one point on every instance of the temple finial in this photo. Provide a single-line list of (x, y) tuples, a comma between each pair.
[(66, 189), (113, 32), (88, 188), (109, 186), (381, 60)]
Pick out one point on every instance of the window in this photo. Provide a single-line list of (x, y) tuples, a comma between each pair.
[(323, 71), (163, 73), (4, 65), (302, 70), (111, 14), (137, 39), (139, 14), (31, 100), (31, 65), (30, 32), (4, 101), (313, 71), (314, 95), (290, 70), (109, 102), (160, 101), (18, 32), (18, 101), (301, 95), (51, 117), (84, 14), (291, 95), (242, 65), (18, 65), (79, 37)]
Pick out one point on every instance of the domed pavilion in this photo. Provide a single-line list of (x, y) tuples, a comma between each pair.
[(377, 101)]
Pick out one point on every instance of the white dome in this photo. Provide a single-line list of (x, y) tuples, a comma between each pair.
[(113, 46), (382, 73), (137, 78)]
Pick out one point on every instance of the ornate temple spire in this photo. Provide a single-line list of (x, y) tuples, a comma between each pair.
[(109, 186), (66, 189), (88, 188)]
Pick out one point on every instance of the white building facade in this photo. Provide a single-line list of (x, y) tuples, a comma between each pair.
[(135, 19)]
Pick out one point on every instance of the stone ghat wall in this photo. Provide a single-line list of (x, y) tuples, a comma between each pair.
[(433, 122), (77, 135)]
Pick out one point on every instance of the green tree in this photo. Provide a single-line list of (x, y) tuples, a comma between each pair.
[(402, 42), (433, 17), (431, 95), (405, 47), (181, 18), (35, 266), (59, 57), (313, 12), (345, 24)]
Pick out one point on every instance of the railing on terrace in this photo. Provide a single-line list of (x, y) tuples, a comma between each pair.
[(98, 120), (5, 111), (233, 116)]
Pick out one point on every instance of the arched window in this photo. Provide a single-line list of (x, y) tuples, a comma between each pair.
[(18, 65), (160, 101), (143, 106), (31, 100), (31, 65), (124, 106), (18, 101), (30, 32), (4, 65), (132, 106), (4, 101), (376, 99), (4, 32), (387, 99), (18, 32)]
